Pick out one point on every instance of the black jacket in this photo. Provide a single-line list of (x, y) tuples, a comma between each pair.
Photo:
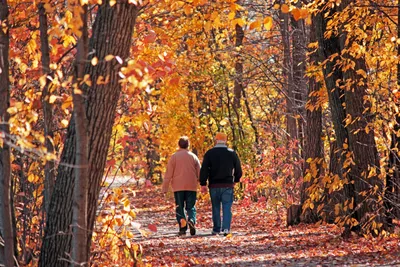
[(221, 165)]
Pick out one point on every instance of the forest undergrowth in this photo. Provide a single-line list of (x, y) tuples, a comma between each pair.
[(259, 238)]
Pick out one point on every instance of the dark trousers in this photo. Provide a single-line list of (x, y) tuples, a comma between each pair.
[(185, 200)]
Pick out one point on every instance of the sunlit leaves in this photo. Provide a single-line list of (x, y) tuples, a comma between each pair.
[(285, 8)]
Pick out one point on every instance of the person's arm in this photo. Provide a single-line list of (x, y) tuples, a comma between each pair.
[(168, 174), (197, 167), (238, 168), (204, 171)]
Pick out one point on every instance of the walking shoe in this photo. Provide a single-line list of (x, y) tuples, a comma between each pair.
[(192, 227), (182, 231), (226, 232), (214, 233)]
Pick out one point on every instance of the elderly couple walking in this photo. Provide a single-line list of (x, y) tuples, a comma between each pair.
[(221, 169)]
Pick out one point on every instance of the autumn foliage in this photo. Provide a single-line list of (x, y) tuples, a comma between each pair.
[(307, 92)]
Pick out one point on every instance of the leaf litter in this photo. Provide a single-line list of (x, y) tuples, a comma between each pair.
[(258, 238)]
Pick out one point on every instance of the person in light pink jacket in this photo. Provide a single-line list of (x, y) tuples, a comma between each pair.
[(182, 174)]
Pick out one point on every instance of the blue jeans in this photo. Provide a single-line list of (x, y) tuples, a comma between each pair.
[(222, 196), (185, 200)]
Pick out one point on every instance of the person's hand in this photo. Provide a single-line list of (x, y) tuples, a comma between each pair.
[(204, 189)]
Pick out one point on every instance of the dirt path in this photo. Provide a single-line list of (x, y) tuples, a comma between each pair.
[(258, 239)]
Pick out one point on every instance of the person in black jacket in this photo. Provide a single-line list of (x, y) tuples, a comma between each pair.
[(221, 168)]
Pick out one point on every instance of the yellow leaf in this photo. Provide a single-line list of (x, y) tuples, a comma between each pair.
[(112, 2), (268, 23), (52, 99), (64, 123), (308, 20), (77, 91), (12, 110), (128, 243), (285, 8), (94, 61), (32, 178), (108, 57), (42, 81), (239, 21), (277, 6)]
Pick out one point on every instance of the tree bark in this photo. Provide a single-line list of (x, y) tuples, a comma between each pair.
[(6, 228), (79, 252), (299, 89), (392, 190), (361, 141), (47, 109), (238, 84), (287, 74), (361, 150), (333, 77), (112, 34), (313, 147)]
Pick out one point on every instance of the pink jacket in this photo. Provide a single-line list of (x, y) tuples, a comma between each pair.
[(183, 172)]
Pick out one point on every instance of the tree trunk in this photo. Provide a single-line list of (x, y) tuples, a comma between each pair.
[(333, 77), (6, 228), (392, 190), (47, 109), (361, 150), (238, 85), (79, 251), (287, 74), (299, 37), (313, 147), (361, 140), (298, 88), (109, 37)]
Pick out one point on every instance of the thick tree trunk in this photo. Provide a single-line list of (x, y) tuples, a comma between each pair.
[(47, 109), (361, 149), (112, 34), (333, 77), (392, 190), (361, 140), (313, 147), (79, 251), (6, 228)]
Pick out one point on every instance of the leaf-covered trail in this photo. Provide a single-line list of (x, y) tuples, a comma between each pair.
[(258, 239)]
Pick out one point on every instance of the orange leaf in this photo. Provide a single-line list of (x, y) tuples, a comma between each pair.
[(296, 14), (15, 167), (285, 8), (174, 81), (150, 38)]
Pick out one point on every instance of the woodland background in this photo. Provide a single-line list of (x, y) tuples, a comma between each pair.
[(307, 91)]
